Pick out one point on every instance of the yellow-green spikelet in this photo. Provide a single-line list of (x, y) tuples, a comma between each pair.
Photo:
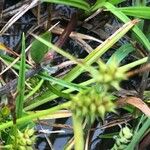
[(90, 103)]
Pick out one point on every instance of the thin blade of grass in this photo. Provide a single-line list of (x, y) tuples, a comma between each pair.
[(100, 50), (140, 35), (95, 54), (21, 82), (75, 3), (121, 53), (92, 57), (137, 136), (100, 3), (34, 116), (139, 12)]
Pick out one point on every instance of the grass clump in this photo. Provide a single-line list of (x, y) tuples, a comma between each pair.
[(89, 91)]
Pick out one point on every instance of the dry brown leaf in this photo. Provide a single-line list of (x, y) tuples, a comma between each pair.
[(136, 102)]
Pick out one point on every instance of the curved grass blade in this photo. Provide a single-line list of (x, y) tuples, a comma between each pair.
[(139, 134), (100, 3), (35, 115), (34, 90), (62, 82), (58, 92), (75, 3), (139, 12), (91, 58), (140, 35), (121, 53)]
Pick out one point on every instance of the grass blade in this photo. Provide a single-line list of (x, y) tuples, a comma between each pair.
[(75, 3), (121, 53), (21, 82), (137, 136), (91, 58), (140, 12), (140, 35)]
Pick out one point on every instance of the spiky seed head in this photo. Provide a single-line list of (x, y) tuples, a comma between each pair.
[(91, 103)]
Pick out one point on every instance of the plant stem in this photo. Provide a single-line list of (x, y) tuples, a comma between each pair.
[(78, 132), (35, 115)]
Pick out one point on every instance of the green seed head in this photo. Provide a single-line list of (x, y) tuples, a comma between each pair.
[(24, 139), (110, 74), (91, 104)]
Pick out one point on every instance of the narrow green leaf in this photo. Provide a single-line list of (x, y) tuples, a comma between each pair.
[(21, 82), (100, 3), (121, 53), (35, 89), (58, 92), (35, 115), (62, 82), (10, 59), (92, 57), (140, 35), (75, 3), (139, 12), (138, 135), (100, 50)]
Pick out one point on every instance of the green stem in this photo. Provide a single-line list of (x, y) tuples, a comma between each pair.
[(34, 90), (35, 115), (53, 96), (134, 64), (78, 132)]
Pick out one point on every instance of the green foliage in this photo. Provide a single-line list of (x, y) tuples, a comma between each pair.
[(38, 49), (91, 58), (82, 4), (142, 128), (139, 12), (123, 139), (121, 53), (121, 16), (21, 82), (23, 140), (91, 104)]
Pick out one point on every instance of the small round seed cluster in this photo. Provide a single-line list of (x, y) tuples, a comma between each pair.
[(123, 139), (4, 113), (91, 104), (110, 75), (24, 140)]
